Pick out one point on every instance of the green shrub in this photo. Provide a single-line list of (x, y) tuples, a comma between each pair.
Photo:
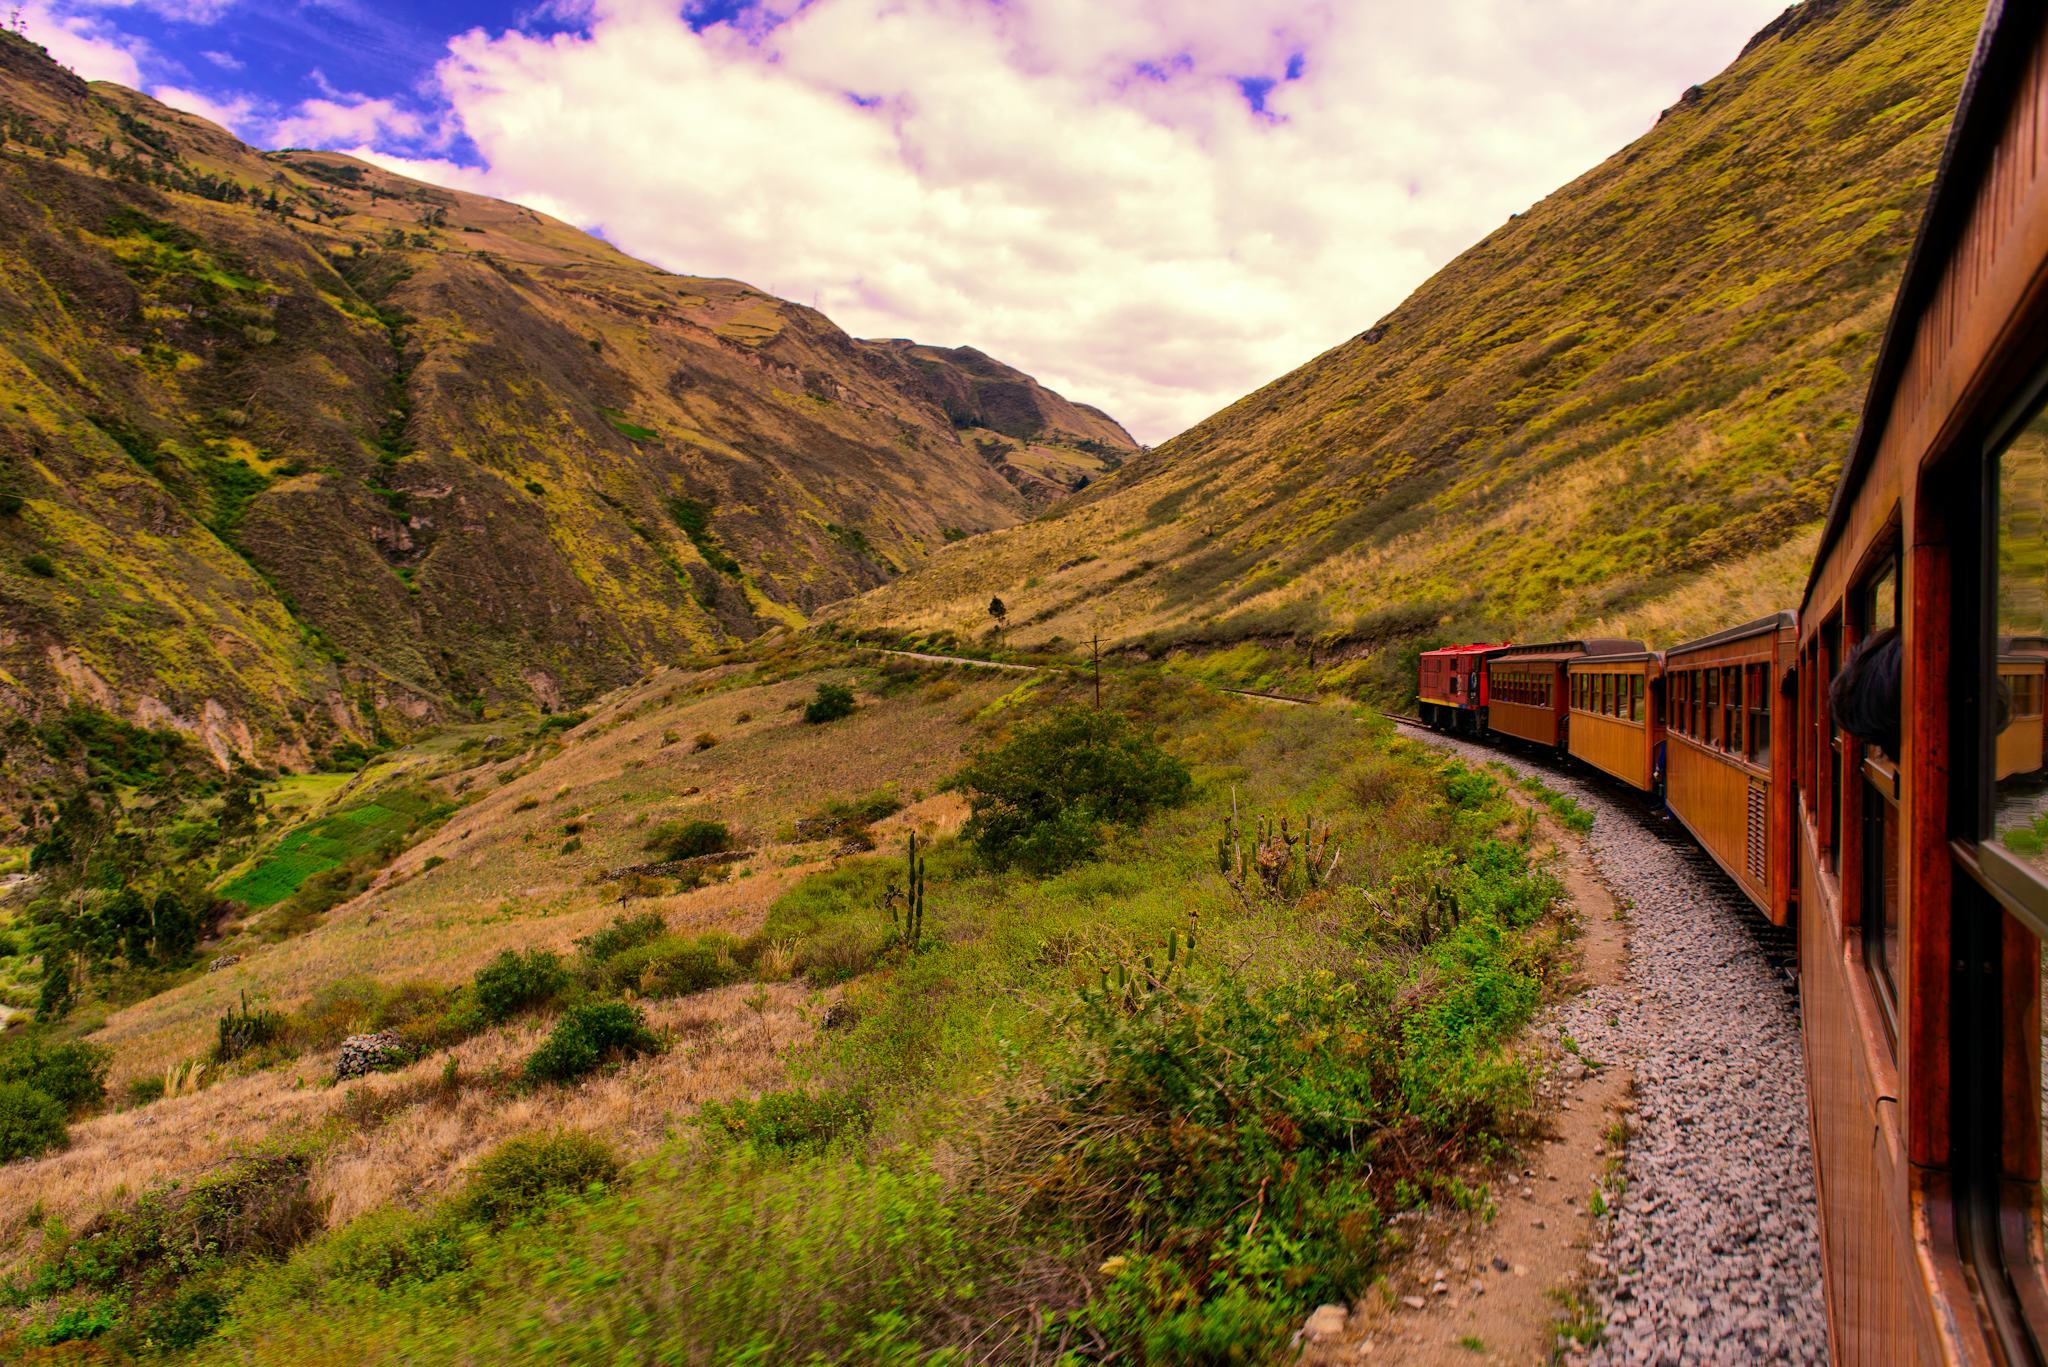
[(515, 982), (790, 1121), (590, 1035), (675, 966), (385, 1248), (829, 703), (1040, 800), (689, 838), (624, 933), (244, 1030), (189, 1316), (524, 1174), (31, 1122), (40, 565), (73, 1072)]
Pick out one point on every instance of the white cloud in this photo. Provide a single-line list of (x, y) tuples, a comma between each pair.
[(238, 115), (1077, 187), (88, 46), (226, 61), (346, 119)]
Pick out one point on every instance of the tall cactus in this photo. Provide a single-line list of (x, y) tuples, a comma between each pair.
[(906, 902)]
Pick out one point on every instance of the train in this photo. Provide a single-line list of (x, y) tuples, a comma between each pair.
[(1869, 765)]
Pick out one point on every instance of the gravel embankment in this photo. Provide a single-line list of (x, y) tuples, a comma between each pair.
[(1713, 1252)]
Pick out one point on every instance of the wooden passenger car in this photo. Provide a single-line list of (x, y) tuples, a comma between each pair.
[(1526, 695), (1728, 753), (1616, 715), (1923, 887), (2021, 666), (1451, 687)]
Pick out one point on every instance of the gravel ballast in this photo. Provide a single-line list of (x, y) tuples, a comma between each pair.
[(1712, 1254)]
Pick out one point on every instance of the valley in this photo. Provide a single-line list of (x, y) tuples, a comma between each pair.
[(554, 811)]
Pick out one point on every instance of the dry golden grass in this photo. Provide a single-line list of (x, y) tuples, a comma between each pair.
[(507, 885), (405, 1138)]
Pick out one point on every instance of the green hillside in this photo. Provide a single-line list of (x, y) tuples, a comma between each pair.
[(1623, 410), (295, 451)]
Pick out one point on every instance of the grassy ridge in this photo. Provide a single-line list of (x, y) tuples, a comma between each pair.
[(1623, 411), (295, 449)]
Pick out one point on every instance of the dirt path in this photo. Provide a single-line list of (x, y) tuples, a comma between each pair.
[(1483, 1290)]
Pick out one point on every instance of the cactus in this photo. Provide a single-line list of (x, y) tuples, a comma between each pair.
[(1289, 863), (905, 901)]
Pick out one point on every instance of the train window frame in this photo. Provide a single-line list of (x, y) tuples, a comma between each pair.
[(1875, 796), (2021, 890), (1757, 701)]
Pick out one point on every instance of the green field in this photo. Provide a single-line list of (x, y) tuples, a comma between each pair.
[(327, 844)]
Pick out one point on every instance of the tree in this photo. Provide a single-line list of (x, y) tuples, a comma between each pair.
[(177, 929), (55, 1000), (997, 610), (1040, 801), (128, 916)]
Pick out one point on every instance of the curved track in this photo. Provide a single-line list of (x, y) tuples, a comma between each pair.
[(1712, 1254)]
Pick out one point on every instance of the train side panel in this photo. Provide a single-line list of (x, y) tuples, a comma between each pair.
[(1614, 725), (1728, 754)]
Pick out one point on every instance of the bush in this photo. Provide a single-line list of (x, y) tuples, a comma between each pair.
[(524, 1174), (40, 565), (689, 839), (1040, 800), (830, 703), (675, 967), (624, 933), (31, 1122), (73, 1073), (588, 1036), (242, 1031), (791, 1122), (515, 982)]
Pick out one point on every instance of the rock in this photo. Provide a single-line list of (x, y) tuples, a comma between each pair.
[(1414, 1302), (364, 1054), (1327, 1322), (224, 961)]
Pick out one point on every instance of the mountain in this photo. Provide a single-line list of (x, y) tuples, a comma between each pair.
[(1623, 410), (295, 451)]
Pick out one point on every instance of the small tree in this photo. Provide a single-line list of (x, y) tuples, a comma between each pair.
[(1040, 801), (999, 611), (831, 702)]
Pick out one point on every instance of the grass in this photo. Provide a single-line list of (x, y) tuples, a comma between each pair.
[(975, 1129), (329, 843)]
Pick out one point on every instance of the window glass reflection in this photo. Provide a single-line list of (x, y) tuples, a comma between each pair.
[(2020, 795)]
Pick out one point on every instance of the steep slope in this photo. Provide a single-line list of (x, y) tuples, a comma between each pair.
[(295, 449), (1624, 408)]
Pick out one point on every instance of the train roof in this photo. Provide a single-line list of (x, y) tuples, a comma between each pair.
[(1626, 657), (2003, 47), (1464, 650), (1558, 652), (1777, 621)]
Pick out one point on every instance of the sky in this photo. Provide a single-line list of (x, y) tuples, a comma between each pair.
[(1154, 206)]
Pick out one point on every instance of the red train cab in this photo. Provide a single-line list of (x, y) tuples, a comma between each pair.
[(1527, 689), (1728, 753), (1451, 691)]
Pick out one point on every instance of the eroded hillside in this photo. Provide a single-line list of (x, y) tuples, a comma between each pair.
[(1624, 409), (295, 450)]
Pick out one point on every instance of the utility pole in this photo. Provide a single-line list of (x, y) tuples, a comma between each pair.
[(1097, 659)]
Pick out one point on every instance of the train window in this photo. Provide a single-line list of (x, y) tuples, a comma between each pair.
[(1830, 657), (1735, 710), (1710, 706), (1760, 714), (2017, 824), (1635, 705)]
